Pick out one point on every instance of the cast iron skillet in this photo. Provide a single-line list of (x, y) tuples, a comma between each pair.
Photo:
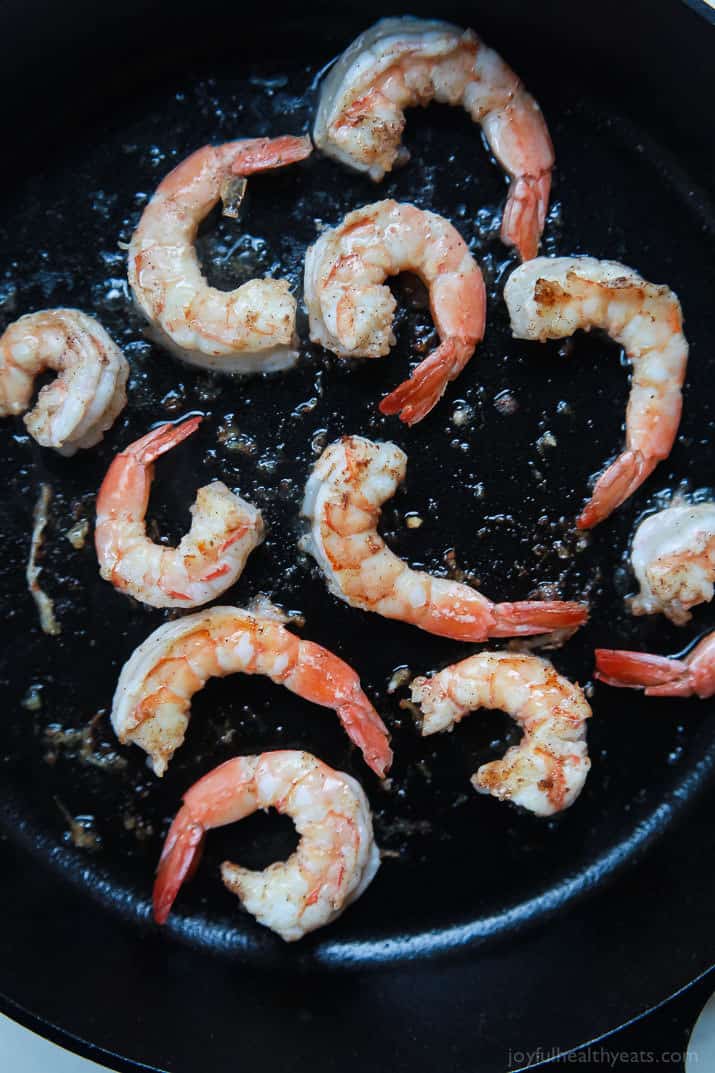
[(477, 939)]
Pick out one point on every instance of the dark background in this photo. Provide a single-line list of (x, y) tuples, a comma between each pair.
[(94, 101)]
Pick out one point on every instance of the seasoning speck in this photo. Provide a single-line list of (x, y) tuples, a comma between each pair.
[(505, 403), (547, 439), (462, 414), (77, 535), (81, 831), (32, 701), (400, 677)]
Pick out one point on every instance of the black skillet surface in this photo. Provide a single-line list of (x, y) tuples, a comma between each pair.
[(464, 875)]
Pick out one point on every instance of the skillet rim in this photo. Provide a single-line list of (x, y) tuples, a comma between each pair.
[(92, 1052)]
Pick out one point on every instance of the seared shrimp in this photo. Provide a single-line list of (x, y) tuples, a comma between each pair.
[(550, 298), (350, 482), (546, 771), (76, 409), (336, 858), (673, 558), (251, 328), (661, 676), (211, 556), (351, 310), (153, 697), (403, 62)]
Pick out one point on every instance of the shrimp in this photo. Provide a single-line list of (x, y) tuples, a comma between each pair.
[(210, 557), (153, 696), (661, 676), (673, 558), (546, 771), (351, 310), (336, 858), (349, 483), (75, 410), (246, 330), (551, 297), (403, 62)]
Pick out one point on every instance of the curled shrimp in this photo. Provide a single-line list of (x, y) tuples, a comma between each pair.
[(402, 62), (349, 483), (251, 328), (210, 557), (334, 862), (75, 410), (661, 676), (351, 310), (673, 558), (551, 297), (546, 771), (152, 700)]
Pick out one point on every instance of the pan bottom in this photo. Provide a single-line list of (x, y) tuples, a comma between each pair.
[(495, 496)]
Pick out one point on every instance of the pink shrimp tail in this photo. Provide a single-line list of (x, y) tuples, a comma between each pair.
[(526, 617), (326, 679), (178, 862), (613, 487), (701, 662), (263, 154), (414, 398), (129, 477), (658, 675), (365, 729), (459, 309), (160, 440), (525, 213), (679, 687), (469, 616)]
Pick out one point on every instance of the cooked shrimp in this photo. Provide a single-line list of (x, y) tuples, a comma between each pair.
[(153, 697), (551, 297), (546, 771), (82, 403), (661, 676), (673, 558), (210, 557), (249, 329), (335, 860), (350, 482), (403, 62), (351, 310)]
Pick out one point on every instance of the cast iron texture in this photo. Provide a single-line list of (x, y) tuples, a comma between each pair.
[(482, 475)]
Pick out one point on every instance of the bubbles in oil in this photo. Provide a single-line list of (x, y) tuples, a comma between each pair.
[(496, 475)]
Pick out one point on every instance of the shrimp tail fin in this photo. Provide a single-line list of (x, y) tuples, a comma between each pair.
[(264, 154), (525, 213), (162, 439), (613, 487), (536, 616), (658, 675), (366, 730), (325, 679), (414, 398), (178, 862)]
